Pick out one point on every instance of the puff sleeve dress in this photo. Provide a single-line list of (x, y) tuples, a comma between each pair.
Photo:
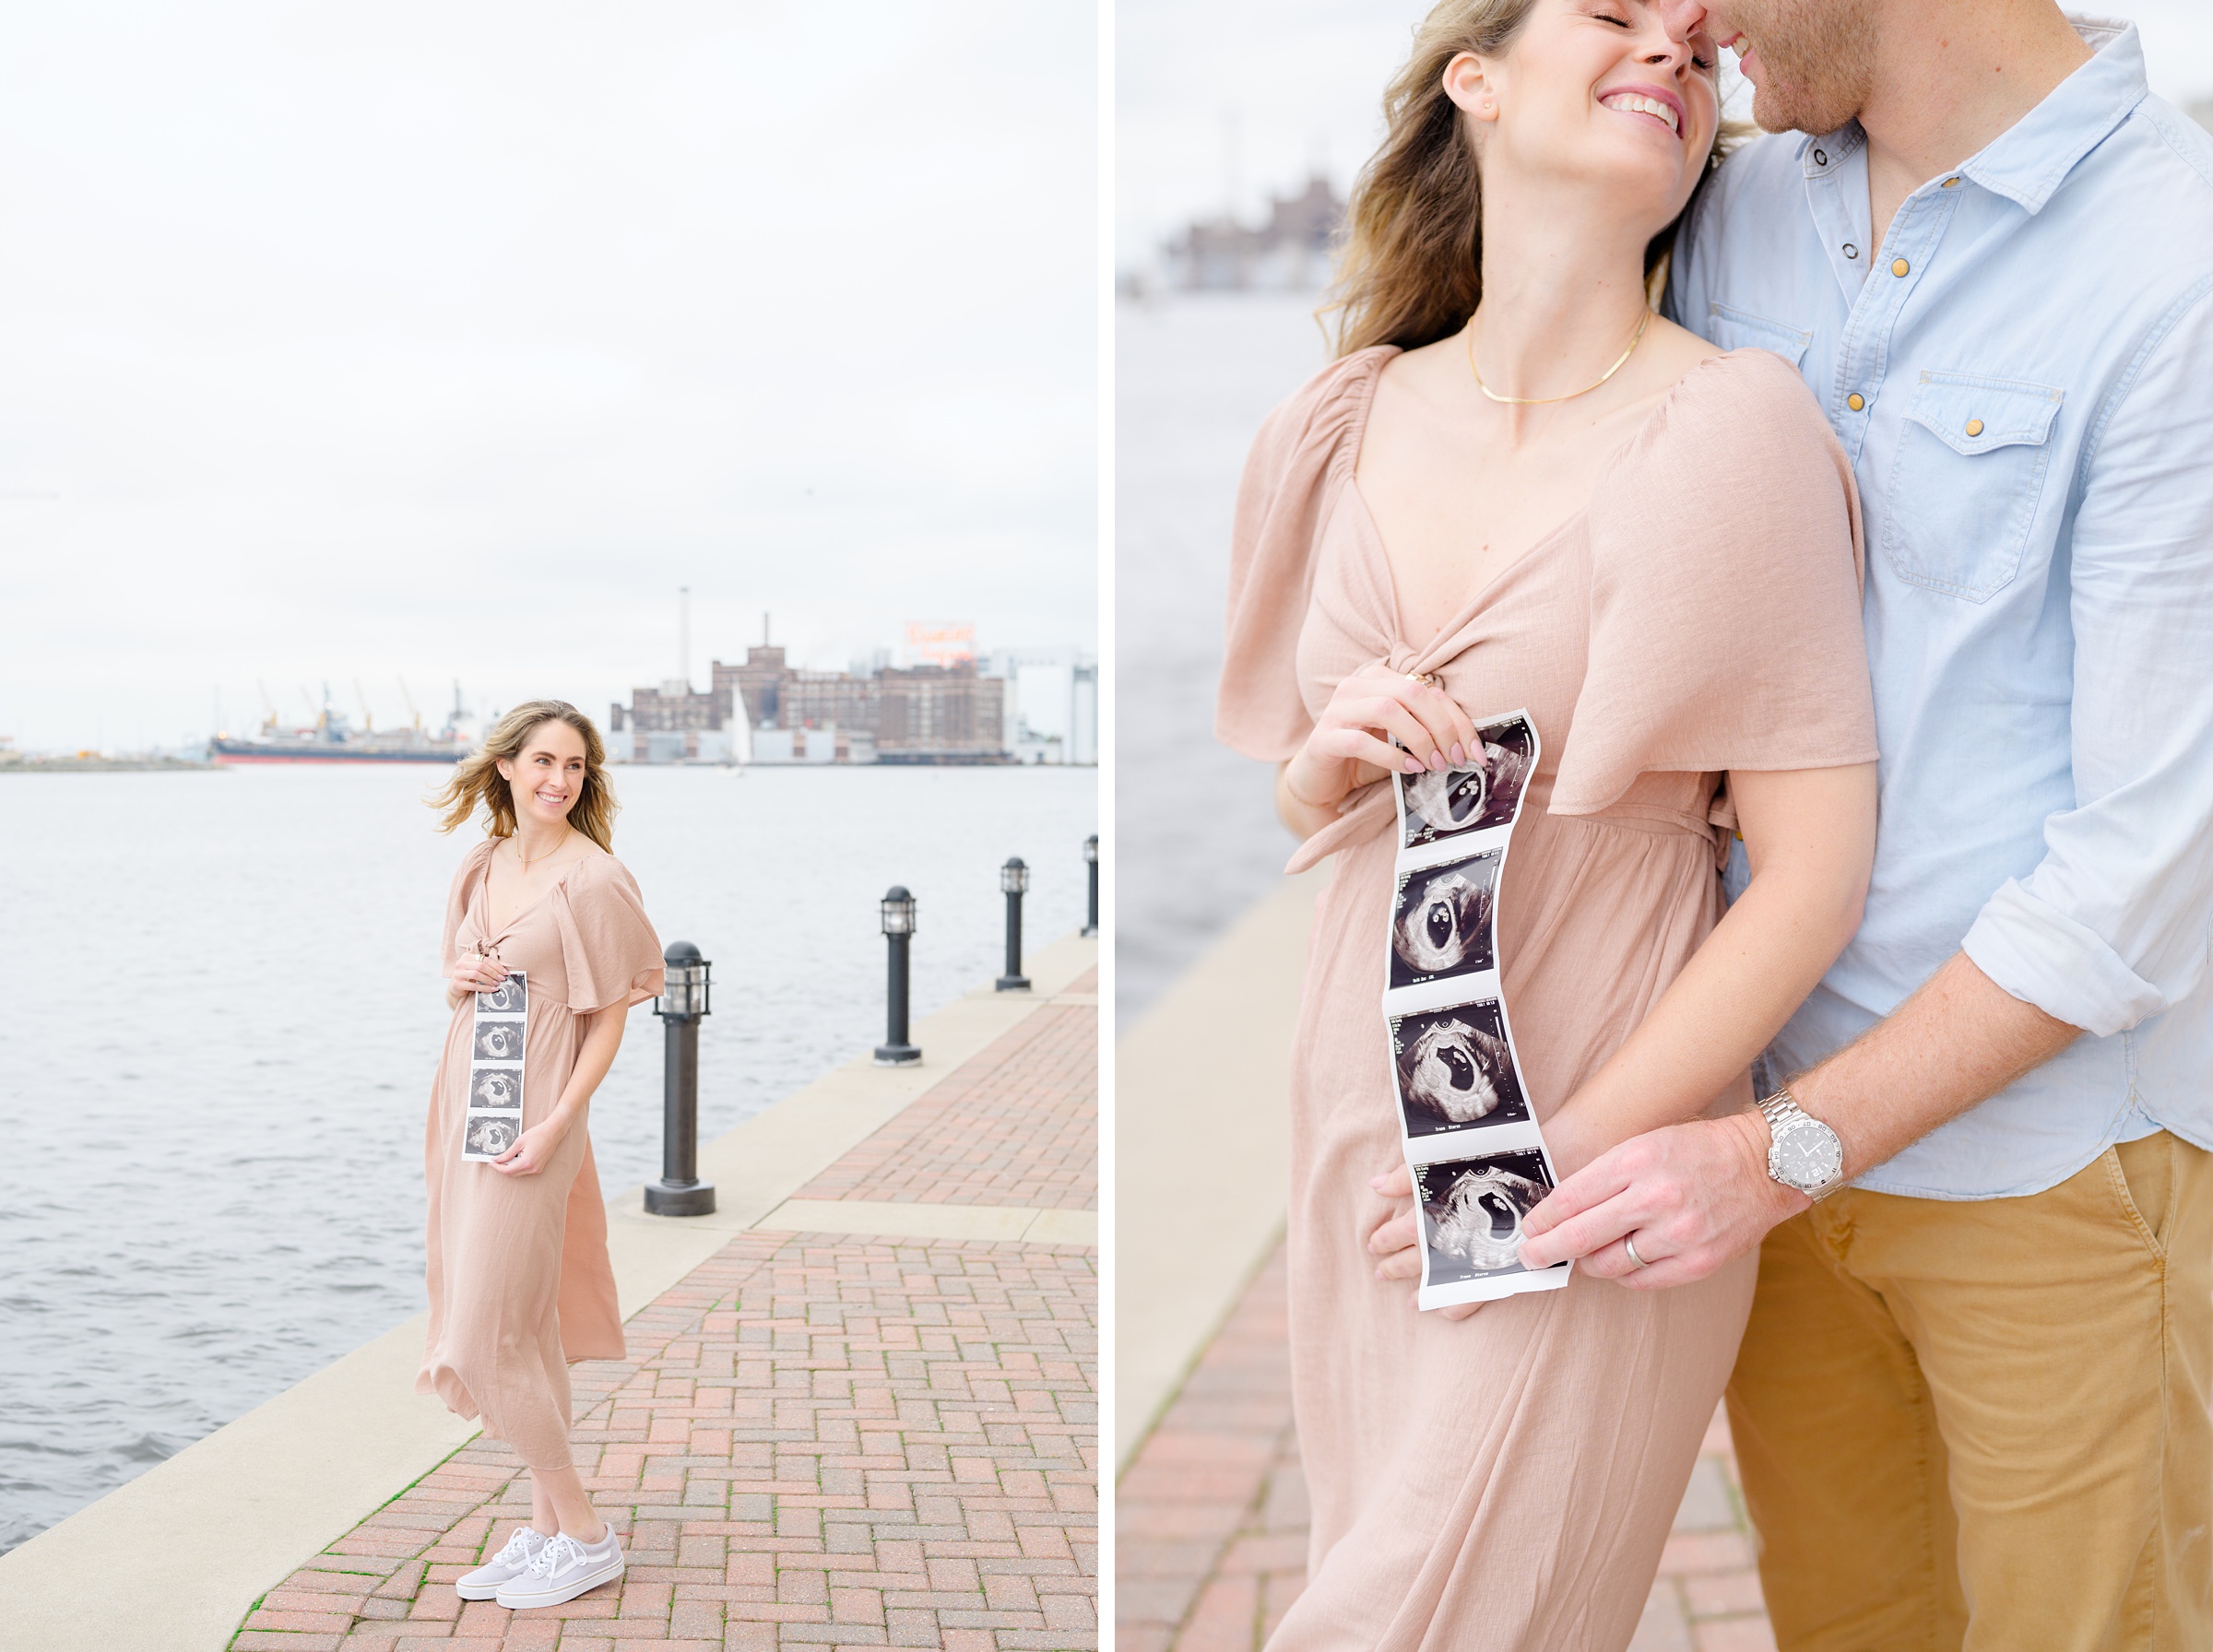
[(1508, 1482), (517, 1267)]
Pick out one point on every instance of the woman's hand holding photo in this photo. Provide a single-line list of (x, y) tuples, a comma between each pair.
[(1398, 1243), (1369, 710), (534, 1148), (472, 972)]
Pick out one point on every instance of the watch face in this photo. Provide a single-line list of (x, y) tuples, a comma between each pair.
[(1807, 1155)]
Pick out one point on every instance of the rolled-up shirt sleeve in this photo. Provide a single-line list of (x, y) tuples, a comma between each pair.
[(2114, 923)]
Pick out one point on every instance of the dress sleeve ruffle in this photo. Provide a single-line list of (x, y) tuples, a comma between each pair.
[(457, 897), (1298, 461), (608, 945), (1726, 569)]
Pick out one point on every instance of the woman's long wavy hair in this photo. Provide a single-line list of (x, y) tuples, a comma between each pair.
[(478, 783), (1409, 266)]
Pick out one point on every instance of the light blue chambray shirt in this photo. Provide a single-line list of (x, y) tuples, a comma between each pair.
[(2022, 375)]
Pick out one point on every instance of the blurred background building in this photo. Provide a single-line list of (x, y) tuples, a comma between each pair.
[(945, 704), (1287, 251)]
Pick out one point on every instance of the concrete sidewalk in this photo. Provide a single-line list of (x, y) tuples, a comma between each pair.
[(859, 1408)]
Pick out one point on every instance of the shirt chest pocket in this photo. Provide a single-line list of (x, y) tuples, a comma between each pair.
[(1967, 481)]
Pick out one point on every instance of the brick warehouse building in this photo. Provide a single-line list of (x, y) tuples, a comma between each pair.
[(915, 715)]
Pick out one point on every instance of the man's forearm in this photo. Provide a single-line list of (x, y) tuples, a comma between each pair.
[(1959, 1040)]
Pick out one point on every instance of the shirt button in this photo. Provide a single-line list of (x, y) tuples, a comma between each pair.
[(1855, 401), (1974, 427), (1899, 266), (1850, 251), (1950, 183), (1820, 157)]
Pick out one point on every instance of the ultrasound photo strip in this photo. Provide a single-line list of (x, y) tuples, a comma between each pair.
[(488, 1135), (493, 1115), (1465, 1122)]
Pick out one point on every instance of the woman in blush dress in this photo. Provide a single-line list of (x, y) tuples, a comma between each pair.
[(546, 930), (1518, 488)]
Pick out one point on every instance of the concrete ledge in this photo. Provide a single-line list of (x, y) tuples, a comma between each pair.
[(172, 1561), (882, 1219), (1188, 1101)]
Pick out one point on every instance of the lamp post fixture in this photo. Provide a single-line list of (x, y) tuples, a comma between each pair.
[(1091, 865), (685, 988), (1014, 880), (898, 930)]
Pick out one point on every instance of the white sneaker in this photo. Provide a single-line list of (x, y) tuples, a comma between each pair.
[(509, 1564), (564, 1569)]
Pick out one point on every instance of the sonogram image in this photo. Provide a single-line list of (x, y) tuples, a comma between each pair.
[(1441, 920), (491, 1136), (1472, 1210), (1455, 1069)]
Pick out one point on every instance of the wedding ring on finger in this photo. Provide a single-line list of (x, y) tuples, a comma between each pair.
[(1629, 1244)]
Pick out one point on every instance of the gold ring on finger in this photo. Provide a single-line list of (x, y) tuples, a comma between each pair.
[(1426, 678)]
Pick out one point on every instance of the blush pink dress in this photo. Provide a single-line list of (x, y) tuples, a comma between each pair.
[(519, 1278), (1508, 1482)]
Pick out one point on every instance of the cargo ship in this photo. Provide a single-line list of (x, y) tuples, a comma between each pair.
[(332, 739)]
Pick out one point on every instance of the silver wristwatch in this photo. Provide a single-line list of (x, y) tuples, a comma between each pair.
[(1803, 1152)]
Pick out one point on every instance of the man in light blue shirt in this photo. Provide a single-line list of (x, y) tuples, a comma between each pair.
[(1972, 1405)]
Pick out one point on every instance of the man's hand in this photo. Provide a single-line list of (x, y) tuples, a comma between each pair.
[(1693, 1195)]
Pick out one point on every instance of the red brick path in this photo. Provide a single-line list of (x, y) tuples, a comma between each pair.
[(817, 1440), (1017, 1125), (1211, 1517)]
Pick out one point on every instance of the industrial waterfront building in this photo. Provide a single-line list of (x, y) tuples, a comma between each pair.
[(766, 711)]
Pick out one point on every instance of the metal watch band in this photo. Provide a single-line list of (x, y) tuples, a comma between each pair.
[(1782, 1105), (1782, 1108)]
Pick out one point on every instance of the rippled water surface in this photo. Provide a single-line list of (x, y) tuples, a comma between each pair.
[(220, 1011)]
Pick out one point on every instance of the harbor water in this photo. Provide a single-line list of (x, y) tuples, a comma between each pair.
[(220, 1009), (1197, 838)]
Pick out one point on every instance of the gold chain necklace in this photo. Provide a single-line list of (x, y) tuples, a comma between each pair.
[(1539, 401), (518, 843)]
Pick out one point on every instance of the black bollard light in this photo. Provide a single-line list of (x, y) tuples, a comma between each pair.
[(681, 1006), (1014, 879), (898, 930), (1091, 864)]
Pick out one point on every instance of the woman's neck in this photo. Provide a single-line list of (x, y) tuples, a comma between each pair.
[(534, 840), (1563, 291)]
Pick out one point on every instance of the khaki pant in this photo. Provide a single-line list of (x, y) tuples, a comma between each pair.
[(1982, 1425)]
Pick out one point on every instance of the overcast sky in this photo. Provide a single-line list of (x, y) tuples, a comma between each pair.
[(1224, 101), (439, 341)]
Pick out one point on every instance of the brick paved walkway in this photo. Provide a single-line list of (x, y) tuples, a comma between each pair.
[(817, 1440), (1017, 1125), (1211, 1517)]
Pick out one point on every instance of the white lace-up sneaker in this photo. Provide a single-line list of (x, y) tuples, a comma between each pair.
[(564, 1569), (509, 1564)]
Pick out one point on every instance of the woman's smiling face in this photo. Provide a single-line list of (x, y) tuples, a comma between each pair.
[(1619, 93), (548, 777)]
